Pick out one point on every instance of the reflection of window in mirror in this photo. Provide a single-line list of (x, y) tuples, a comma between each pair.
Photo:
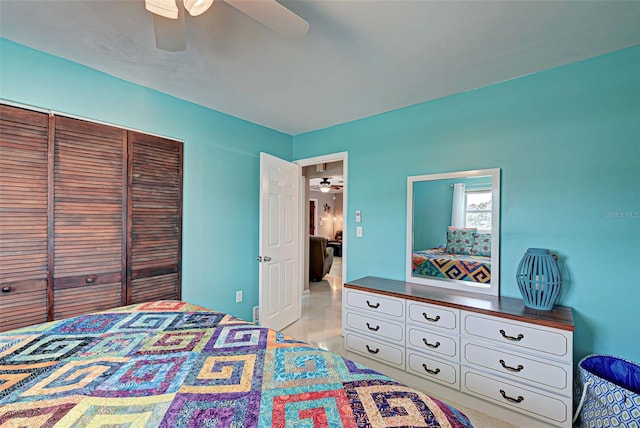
[(478, 210)]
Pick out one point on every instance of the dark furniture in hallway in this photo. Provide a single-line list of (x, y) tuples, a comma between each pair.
[(320, 258), (336, 244)]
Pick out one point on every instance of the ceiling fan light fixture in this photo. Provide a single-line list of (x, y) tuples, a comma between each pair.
[(165, 8), (325, 186), (197, 7)]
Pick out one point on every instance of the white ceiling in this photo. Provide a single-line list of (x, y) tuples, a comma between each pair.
[(358, 59)]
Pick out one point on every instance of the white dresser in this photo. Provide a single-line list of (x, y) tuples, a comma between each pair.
[(492, 354)]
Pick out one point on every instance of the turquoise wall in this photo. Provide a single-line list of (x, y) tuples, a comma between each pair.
[(567, 141), (432, 206), (221, 164)]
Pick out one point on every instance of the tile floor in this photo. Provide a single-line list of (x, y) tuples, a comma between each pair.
[(321, 325)]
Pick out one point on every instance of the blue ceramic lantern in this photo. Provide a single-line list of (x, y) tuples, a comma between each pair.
[(539, 279)]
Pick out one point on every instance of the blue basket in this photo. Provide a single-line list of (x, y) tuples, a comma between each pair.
[(609, 391), (539, 279)]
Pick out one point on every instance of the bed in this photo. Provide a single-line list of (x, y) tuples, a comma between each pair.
[(436, 262), (175, 364)]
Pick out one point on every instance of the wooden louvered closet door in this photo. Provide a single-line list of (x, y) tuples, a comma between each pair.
[(23, 217), (90, 217), (89, 221), (155, 218)]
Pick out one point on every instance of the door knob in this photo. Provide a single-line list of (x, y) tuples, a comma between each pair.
[(266, 258)]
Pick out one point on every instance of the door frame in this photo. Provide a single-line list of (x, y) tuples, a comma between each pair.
[(315, 216), (332, 157)]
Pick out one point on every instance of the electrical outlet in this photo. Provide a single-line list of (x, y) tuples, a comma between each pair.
[(238, 296)]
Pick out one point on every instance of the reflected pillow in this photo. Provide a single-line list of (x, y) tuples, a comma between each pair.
[(460, 240), (481, 244)]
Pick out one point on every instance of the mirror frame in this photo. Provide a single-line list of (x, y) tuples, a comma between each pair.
[(494, 285)]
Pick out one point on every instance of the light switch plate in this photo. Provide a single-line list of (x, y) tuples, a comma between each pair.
[(359, 232)]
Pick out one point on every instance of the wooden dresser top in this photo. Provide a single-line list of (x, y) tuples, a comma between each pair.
[(560, 317)]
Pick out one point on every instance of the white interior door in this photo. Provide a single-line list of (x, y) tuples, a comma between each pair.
[(280, 296)]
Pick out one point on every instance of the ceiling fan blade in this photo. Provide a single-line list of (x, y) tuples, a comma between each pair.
[(274, 16), (171, 34)]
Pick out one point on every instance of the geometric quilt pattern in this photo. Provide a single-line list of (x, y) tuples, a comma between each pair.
[(174, 364), (437, 263)]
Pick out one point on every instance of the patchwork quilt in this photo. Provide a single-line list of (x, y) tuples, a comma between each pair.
[(436, 262), (174, 364)]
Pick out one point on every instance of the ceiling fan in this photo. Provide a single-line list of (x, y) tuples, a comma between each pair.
[(325, 186), (169, 22)]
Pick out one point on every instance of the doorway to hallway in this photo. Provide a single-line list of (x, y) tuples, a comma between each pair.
[(321, 321)]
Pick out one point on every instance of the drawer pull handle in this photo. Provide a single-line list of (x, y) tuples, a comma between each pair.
[(515, 339), (6, 289), (372, 351), (376, 306), (376, 328), (520, 398), (430, 345), (89, 279), (428, 370), (513, 369), (436, 319)]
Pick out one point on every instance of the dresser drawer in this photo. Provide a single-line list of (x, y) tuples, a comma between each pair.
[(529, 401), (433, 316), (526, 337), (434, 369), (373, 327), (445, 346), (540, 373), (384, 352), (375, 303)]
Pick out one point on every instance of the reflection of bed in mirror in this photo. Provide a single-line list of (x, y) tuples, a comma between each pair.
[(453, 230), (437, 263)]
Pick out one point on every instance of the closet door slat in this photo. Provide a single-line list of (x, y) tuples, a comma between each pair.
[(70, 302), (155, 218), (89, 216), (23, 217)]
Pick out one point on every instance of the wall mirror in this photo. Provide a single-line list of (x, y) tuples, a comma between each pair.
[(453, 230)]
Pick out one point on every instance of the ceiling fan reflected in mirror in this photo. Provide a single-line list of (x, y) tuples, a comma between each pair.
[(169, 23)]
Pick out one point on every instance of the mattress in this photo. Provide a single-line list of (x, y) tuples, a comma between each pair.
[(175, 364), (435, 262)]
